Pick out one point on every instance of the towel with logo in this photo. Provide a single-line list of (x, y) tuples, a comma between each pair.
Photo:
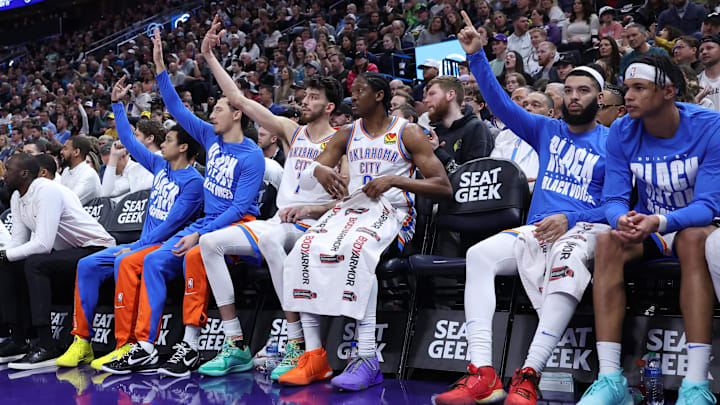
[(331, 269)]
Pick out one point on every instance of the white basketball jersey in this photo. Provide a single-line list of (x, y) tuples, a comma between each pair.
[(383, 155), (303, 151)]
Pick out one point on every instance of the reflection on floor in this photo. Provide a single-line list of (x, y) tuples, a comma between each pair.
[(85, 386)]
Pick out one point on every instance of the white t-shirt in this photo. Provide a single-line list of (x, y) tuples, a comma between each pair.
[(714, 95), (510, 146), (83, 180), (133, 178)]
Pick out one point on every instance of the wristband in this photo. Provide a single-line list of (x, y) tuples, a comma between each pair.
[(662, 224)]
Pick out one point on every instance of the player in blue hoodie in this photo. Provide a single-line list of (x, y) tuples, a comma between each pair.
[(175, 197), (673, 152)]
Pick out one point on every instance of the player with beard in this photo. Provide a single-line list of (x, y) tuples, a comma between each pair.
[(297, 209), (461, 136), (552, 251), (672, 152)]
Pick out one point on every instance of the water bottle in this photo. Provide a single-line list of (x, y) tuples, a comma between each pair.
[(353, 352), (637, 392), (273, 356), (653, 380)]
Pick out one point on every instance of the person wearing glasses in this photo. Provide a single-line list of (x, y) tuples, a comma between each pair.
[(686, 52), (611, 105)]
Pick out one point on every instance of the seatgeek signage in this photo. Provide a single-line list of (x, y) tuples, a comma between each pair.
[(11, 4)]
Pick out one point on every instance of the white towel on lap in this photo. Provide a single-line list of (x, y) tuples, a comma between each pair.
[(331, 268)]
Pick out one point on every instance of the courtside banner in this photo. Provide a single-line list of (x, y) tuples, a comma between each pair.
[(664, 335), (61, 324), (574, 354), (440, 341), (6, 218), (100, 208), (389, 332), (129, 214), (269, 323)]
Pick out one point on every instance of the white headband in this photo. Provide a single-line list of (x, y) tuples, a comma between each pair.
[(594, 73), (643, 71)]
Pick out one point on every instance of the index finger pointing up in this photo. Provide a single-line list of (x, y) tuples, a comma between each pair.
[(468, 22)]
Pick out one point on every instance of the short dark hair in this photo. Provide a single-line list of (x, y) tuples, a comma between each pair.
[(378, 82), (154, 128), (408, 112), (27, 162), (40, 145), (81, 142), (183, 137), (665, 68), (332, 88), (47, 162)]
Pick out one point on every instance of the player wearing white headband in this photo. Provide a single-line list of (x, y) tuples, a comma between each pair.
[(673, 151), (552, 251)]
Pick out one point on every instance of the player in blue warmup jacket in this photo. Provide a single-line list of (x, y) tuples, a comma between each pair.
[(552, 252), (673, 152), (233, 177), (175, 197)]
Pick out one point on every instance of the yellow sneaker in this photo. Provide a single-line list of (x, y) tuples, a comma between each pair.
[(79, 352), (112, 356)]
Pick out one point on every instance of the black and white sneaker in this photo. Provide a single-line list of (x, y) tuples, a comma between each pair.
[(184, 360), (11, 351), (36, 357), (137, 360)]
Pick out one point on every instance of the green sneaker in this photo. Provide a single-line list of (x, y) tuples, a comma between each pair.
[(231, 359), (292, 353)]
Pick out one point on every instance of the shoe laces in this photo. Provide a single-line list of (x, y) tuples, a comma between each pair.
[(519, 377), (181, 351), (357, 362), (604, 383), (694, 393), (226, 349), (292, 355)]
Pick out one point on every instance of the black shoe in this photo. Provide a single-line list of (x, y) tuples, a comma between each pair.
[(36, 357), (11, 351), (134, 361), (184, 360)]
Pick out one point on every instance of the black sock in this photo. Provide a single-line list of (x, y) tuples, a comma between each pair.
[(45, 337), (239, 341)]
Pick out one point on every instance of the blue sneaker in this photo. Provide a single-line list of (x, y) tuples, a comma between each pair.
[(358, 375), (608, 389), (695, 393)]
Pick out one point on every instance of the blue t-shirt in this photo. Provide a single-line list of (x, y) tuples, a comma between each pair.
[(62, 137), (176, 195), (572, 166), (675, 177), (233, 173)]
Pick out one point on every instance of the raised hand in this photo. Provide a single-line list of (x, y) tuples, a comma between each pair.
[(119, 90), (212, 37), (157, 52), (470, 39)]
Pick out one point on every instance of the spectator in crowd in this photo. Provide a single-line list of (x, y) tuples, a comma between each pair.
[(401, 98), (270, 145), (665, 38), (435, 32), (459, 135), (565, 64), (337, 68), (360, 64), (46, 123), (499, 50), (77, 175), (581, 28), (514, 63), (62, 130), (51, 232), (431, 69), (636, 35), (711, 25), (361, 45), (546, 60), (710, 77), (406, 111), (266, 98), (609, 28), (284, 90), (513, 81), (537, 35), (554, 12), (500, 24), (611, 104), (388, 62), (520, 41), (123, 175), (341, 116), (33, 147), (686, 51), (609, 55), (684, 15)]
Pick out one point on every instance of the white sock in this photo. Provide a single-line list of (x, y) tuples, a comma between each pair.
[(232, 329), (480, 342), (698, 364), (366, 326), (609, 356), (557, 311), (311, 330), (147, 346), (192, 333), (294, 330)]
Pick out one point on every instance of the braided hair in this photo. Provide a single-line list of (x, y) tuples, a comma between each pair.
[(665, 68), (378, 82)]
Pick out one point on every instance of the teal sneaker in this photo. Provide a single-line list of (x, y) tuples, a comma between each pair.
[(292, 353), (695, 393), (608, 389), (231, 359)]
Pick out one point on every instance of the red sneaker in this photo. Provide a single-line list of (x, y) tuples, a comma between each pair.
[(524, 387), (479, 386)]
